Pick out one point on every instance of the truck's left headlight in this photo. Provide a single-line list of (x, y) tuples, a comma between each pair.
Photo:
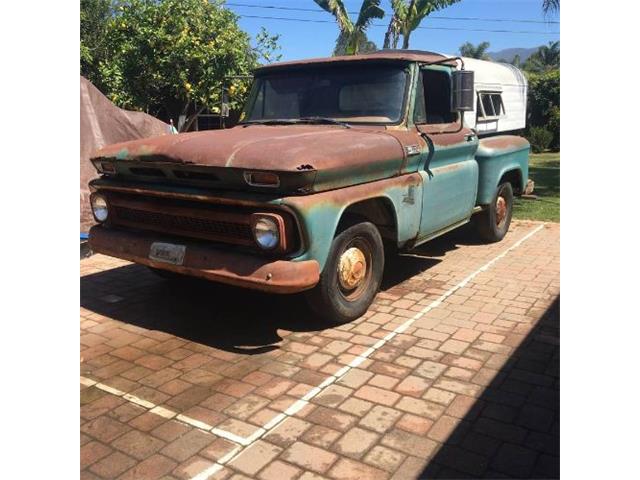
[(100, 207), (266, 232)]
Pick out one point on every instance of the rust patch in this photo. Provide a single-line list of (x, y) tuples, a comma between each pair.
[(201, 260), (346, 196), (278, 148), (504, 142), (445, 134), (383, 55)]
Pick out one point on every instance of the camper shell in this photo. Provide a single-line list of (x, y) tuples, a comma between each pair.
[(500, 97)]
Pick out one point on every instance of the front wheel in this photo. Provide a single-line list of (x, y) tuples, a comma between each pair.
[(351, 276), (493, 223)]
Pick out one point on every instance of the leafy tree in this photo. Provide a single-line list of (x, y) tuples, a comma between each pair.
[(407, 15), (467, 49), (94, 15), (171, 57), (353, 38), (545, 59)]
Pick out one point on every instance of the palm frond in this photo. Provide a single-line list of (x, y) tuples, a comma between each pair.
[(339, 11), (369, 10), (550, 6), (424, 8)]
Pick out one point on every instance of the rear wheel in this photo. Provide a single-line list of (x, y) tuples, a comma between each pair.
[(493, 223), (351, 276)]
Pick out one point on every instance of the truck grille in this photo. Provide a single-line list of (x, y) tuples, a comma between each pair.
[(206, 228), (229, 224)]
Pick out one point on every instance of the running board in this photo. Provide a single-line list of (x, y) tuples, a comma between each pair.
[(422, 240)]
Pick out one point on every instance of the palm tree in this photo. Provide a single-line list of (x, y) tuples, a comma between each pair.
[(546, 58), (515, 61), (407, 17), (549, 6), (467, 49), (353, 37)]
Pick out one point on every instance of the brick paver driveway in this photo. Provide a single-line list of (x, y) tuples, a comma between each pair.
[(453, 372)]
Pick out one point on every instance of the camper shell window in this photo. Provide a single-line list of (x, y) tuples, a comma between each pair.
[(490, 105)]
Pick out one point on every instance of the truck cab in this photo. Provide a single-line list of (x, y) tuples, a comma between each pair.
[(334, 161)]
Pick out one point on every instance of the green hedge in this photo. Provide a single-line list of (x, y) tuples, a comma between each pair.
[(543, 106)]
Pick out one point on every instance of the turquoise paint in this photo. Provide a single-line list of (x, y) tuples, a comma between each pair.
[(449, 196), (450, 186), (320, 221), (494, 163), (122, 154)]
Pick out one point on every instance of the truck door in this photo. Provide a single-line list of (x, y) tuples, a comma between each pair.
[(447, 164)]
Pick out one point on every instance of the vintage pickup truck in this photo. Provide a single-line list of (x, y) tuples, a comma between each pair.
[(335, 160)]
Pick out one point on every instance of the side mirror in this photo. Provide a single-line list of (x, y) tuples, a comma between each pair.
[(462, 91)]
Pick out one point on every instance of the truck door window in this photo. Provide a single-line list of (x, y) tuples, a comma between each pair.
[(419, 110), (436, 98)]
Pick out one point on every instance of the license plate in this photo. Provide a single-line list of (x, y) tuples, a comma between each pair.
[(167, 253)]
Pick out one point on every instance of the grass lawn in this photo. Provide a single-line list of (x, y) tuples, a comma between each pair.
[(544, 170)]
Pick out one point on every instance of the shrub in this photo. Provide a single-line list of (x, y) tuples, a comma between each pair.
[(554, 127), (540, 138), (544, 103)]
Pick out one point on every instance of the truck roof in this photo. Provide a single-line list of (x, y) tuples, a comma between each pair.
[(381, 55)]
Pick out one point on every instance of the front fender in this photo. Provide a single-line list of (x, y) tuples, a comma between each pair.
[(319, 214)]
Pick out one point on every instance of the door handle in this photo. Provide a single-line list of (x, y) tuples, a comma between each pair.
[(469, 136)]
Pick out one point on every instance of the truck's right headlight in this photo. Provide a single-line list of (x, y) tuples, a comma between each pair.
[(266, 232), (99, 207)]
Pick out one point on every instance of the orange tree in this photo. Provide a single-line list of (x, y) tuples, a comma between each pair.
[(171, 57)]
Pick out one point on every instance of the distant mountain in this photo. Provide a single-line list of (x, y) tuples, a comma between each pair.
[(508, 53)]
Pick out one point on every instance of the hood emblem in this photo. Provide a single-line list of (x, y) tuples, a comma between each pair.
[(412, 150)]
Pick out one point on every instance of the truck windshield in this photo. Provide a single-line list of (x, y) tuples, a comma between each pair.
[(351, 94)]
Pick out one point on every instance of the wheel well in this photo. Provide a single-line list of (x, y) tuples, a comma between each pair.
[(515, 179), (378, 211)]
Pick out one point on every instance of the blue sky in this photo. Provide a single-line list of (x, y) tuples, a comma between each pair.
[(303, 40)]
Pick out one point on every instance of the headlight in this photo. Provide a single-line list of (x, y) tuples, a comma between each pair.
[(99, 207), (266, 231)]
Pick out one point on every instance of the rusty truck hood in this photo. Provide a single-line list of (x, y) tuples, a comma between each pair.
[(334, 155)]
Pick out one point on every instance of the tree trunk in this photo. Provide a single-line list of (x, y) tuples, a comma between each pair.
[(388, 35), (192, 118), (405, 40)]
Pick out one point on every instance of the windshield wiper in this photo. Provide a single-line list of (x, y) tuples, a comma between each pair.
[(294, 121), (273, 121), (324, 120)]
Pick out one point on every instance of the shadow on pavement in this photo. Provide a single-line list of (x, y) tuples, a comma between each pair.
[(226, 317), (513, 429)]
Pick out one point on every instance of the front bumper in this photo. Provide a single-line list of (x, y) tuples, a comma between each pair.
[(200, 260)]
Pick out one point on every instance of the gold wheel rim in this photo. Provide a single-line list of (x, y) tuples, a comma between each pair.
[(501, 209), (352, 268)]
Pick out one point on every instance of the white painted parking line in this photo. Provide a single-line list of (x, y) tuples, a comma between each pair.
[(167, 413), (300, 404)]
